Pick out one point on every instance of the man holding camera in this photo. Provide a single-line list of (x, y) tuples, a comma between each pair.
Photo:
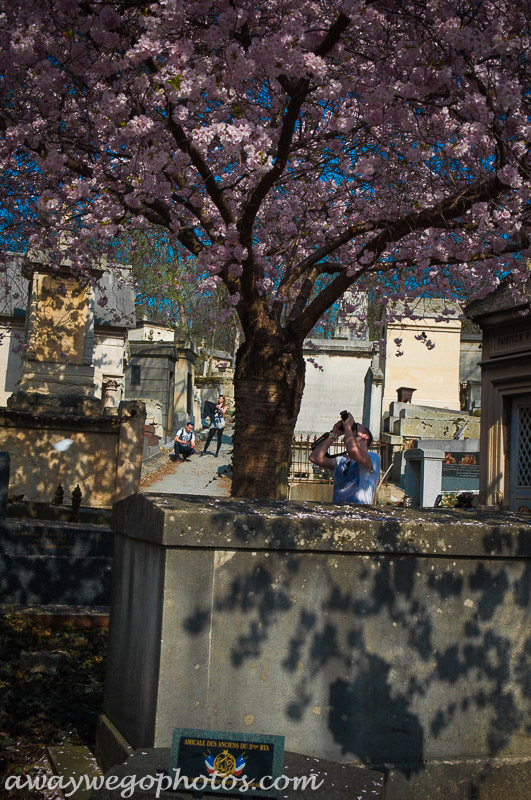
[(356, 472)]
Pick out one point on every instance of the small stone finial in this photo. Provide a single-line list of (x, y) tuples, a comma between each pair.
[(375, 358), (58, 496), (76, 504)]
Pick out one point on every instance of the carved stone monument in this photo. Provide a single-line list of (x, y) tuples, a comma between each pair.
[(55, 401), (505, 466), (60, 336)]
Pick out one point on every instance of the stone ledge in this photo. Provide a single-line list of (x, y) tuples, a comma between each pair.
[(206, 522), (340, 781)]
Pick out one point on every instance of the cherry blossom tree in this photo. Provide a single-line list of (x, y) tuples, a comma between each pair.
[(296, 148)]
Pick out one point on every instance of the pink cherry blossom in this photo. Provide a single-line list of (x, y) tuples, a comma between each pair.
[(295, 149)]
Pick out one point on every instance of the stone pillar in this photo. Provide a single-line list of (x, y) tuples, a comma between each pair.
[(372, 401), (132, 415), (60, 336), (4, 484), (423, 476)]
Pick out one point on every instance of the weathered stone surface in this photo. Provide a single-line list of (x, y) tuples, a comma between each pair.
[(339, 781), (105, 457), (201, 521), (436, 428), (423, 475), (55, 562), (4, 484), (57, 404), (71, 763), (461, 779), (361, 635)]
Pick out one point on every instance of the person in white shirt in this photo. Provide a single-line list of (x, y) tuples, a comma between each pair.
[(356, 472), (184, 442)]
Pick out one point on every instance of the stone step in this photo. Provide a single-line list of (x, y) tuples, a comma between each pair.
[(34, 510), (72, 763), (43, 562)]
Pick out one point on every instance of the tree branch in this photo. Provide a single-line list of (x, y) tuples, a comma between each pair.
[(185, 145), (447, 209), (297, 93)]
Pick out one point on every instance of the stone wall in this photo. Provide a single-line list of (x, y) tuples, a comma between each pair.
[(336, 383), (432, 371), (11, 348), (361, 635), (50, 562), (105, 457)]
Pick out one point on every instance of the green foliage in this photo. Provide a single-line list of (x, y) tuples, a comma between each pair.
[(168, 292)]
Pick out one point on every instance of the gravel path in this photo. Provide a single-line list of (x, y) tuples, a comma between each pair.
[(201, 475)]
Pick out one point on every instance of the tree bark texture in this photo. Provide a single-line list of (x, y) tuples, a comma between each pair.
[(269, 380)]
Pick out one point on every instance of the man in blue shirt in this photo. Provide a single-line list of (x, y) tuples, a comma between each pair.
[(356, 472)]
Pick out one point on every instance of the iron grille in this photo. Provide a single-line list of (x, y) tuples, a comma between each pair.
[(524, 446), (303, 471)]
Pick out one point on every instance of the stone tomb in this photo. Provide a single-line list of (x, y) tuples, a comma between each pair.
[(47, 562), (435, 465), (505, 474), (394, 638), (55, 399)]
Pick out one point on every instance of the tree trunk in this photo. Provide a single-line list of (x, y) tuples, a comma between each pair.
[(268, 385)]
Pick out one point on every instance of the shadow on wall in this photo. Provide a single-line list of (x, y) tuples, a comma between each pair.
[(419, 654), (55, 564)]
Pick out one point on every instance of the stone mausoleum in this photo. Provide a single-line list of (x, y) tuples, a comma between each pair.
[(161, 369), (111, 309), (60, 427), (505, 440)]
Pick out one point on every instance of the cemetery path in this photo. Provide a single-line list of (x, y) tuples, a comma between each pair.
[(201, 475)]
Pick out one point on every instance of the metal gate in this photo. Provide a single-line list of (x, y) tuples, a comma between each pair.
[(520, 475), (301, 468)]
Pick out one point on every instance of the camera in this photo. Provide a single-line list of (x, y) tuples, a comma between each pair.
[(343, 415)]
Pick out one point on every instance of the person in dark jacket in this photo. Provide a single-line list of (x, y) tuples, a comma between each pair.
[(217, 425)]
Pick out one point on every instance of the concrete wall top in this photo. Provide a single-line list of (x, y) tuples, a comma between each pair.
[(338, 346), (404, 410), (206, 522), (450, 445)]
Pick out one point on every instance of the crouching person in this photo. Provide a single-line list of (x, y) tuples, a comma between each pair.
[(184, 442)]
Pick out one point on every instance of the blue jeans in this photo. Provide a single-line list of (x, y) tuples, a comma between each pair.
[(183, 449)]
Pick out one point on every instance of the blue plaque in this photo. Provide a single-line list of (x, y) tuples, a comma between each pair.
[(224, 762)]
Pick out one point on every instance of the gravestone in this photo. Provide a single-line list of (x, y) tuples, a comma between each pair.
[(4, 484), (55, 401), (147, 770), (359, 634), (423, 475), (460, 472)]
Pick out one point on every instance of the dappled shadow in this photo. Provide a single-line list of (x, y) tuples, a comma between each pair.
[(55, 564), (103, 454), (414, 654)]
